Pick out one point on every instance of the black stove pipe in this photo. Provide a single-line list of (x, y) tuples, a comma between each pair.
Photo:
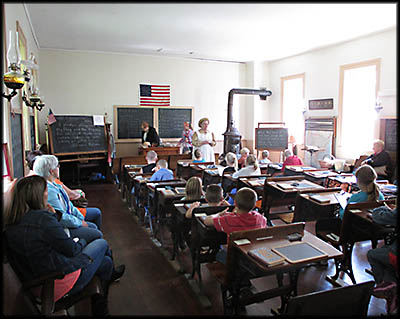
[(232, 136)]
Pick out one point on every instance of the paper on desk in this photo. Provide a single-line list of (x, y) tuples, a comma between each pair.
[(200, 215), (242, 241), (98, 120)]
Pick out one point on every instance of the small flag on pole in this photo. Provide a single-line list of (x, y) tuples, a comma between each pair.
[(51, 118), (154, 95)]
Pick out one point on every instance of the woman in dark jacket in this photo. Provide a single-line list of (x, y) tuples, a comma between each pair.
[(39, 245), (149, 135)]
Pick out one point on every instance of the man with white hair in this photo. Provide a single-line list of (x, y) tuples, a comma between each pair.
[(380, 160), (290, 159)]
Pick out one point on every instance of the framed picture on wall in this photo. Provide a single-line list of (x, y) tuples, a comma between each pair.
[(320, 104)]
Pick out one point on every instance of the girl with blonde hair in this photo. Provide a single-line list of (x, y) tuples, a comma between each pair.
[(369, 189), (251, 168), (231, 163)]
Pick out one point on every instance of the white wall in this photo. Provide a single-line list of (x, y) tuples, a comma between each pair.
[(321, 68), (91, 83)]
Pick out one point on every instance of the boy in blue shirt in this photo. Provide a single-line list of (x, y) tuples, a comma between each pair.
[(162, 172)]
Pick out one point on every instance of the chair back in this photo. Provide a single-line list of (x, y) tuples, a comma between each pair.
[(343, 301)]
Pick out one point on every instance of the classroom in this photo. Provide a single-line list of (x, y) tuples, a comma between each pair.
[(118, 111)]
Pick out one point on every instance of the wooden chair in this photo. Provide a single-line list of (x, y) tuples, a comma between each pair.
[(348, 231), (350, 300), (19, 299), (224, 273)]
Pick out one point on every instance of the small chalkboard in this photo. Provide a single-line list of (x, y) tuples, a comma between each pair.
[(275, 138), (299, 252), (390, 135), (17, 145), (129, 121), (76, 134), (170, 121)]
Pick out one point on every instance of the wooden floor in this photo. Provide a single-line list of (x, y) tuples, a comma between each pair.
[(152, 284)]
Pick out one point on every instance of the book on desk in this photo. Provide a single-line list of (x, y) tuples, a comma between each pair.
[(180, 190), (320, 199), (266, 256)]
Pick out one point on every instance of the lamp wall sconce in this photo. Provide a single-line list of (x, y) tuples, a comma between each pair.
[(15, 79), (378, 104)]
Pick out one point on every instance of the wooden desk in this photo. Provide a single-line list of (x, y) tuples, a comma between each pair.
[(319, 177), (297, 170), (356, 226), (349, 179), (245, 266), (211, 176), (274, 195), (126, 181), (160, 150), (255, 182), (203, 235), (274, 168), (308, 209), (154, 195), (228, 183)]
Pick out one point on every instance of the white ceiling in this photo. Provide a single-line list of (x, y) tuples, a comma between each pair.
[(219, 31)]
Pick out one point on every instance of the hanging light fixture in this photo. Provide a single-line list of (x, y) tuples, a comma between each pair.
[(13, 79)]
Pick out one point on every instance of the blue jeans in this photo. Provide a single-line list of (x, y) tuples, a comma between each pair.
[(101, 266), (89, 233), (93, 214)]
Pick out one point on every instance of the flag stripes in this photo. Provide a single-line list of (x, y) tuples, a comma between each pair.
[(154, 95)]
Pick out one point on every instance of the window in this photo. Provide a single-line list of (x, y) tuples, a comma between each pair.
[(292, 90), (359, 84)]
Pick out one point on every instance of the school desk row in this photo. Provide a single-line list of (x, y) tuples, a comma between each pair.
[(165, 207)]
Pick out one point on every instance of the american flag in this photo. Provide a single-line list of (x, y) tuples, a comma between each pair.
[(154, 95), (51, 118)]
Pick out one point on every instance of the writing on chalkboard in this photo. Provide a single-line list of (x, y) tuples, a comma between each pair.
[(170, 121), (72, 134), (130, 120), (17, 146), (391, 135), (275, 138)]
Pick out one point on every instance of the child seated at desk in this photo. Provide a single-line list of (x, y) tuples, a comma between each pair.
[(198, 156), (264, 157), (242, 218), (369, 190), (231, 163), (214, 197), (251, 168), (151, 159), (244, 152), (162, 172), (193, 189), (290, 159)]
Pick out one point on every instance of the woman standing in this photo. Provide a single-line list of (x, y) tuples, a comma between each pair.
[(204, 140)]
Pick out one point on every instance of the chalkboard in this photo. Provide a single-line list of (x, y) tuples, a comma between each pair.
[(298, 252), (17, 146), (130, 119), (391, 135), (76, 134), (170, 121), (275, 138), (32, 124)]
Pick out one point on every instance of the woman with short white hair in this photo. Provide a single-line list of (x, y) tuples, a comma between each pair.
[(79, 226)]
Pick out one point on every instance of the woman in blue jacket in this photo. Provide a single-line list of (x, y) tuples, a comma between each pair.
[(39, 245)]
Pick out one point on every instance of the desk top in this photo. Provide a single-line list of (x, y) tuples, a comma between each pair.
[(321, 173), (289, 186), (299, 168), (273, 242), (325, 195)]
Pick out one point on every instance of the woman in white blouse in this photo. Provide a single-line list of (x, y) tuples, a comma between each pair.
[(204, 140)]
